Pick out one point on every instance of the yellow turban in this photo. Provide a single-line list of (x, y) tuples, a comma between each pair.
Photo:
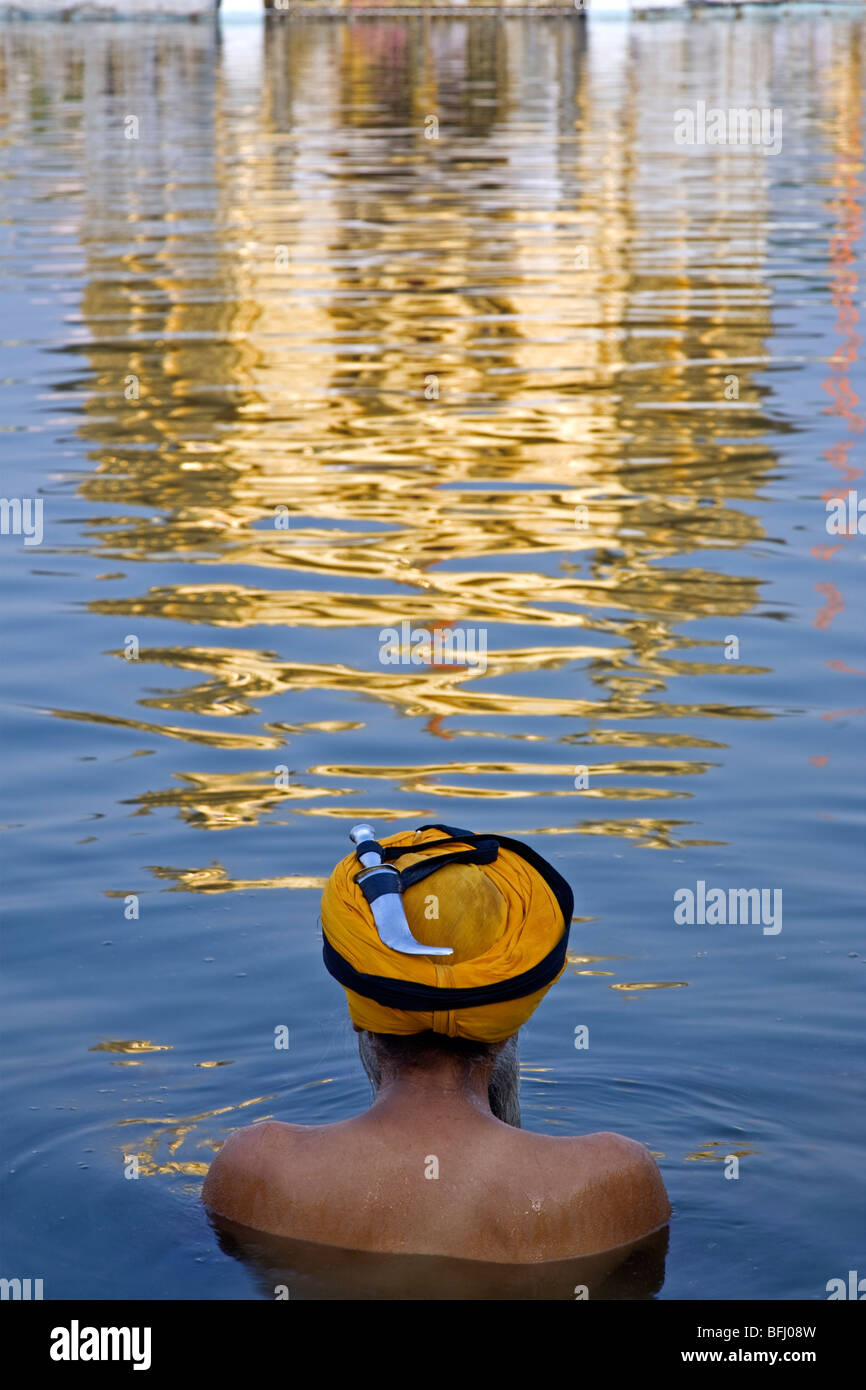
[(507, 921)]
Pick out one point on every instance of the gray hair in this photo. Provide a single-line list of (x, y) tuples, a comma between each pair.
[(397, 1053)]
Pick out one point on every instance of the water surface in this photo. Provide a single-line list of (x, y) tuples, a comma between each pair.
[(285, 372)]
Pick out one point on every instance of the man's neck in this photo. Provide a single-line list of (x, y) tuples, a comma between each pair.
[(445, 1088)]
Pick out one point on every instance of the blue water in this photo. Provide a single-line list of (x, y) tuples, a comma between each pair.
[(583, 290)]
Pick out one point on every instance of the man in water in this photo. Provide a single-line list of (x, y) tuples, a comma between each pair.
[(438, 1165)]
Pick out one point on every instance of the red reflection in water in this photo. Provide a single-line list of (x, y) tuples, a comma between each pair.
[(832, 607)]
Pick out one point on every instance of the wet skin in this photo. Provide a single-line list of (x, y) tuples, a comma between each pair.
[(502, 1194)]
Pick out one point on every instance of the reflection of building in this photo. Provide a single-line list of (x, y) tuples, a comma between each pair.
[(844, 133), (99, 9), (375, 9), (430, 351), (675, 288)]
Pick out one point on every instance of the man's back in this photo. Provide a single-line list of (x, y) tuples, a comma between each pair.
[(472, 1187), (439, 1166)]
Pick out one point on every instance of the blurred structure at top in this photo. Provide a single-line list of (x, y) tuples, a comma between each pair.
[(101, 9)]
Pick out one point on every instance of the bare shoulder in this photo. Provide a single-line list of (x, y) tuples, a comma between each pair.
[(245, 1165), (242, 1144), (619, 1192), (617, 1148), (630, 1166)]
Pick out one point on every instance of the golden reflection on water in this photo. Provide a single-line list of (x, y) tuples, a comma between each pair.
[(280, 481), (265, 451), (215, 879), (159, 1150), (725, 1151), (652, 984), (262, 326)]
